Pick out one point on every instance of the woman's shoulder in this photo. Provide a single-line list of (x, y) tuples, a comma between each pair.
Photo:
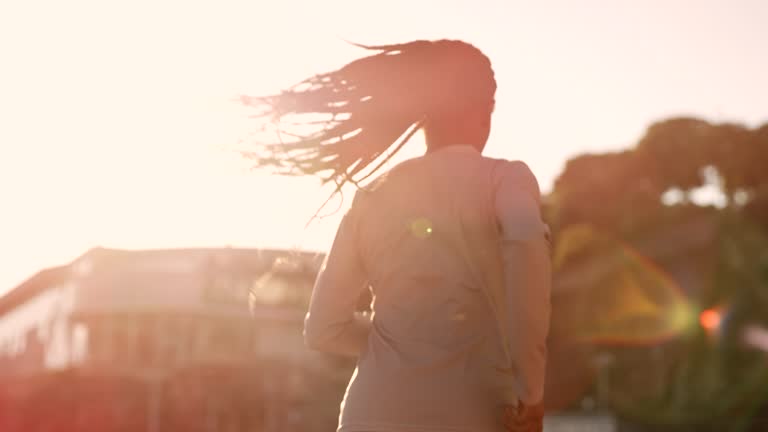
[(514, 173), (402, 169)]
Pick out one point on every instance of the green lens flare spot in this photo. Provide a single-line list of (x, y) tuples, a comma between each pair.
[(421, 228)]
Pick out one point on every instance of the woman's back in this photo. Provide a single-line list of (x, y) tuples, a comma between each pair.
[(432, 344)]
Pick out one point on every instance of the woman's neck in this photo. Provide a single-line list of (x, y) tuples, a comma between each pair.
[(451, 147)]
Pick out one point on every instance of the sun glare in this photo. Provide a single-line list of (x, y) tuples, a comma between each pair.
[(119, 120)]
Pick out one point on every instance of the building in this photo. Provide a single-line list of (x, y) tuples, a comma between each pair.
[(164, 340)]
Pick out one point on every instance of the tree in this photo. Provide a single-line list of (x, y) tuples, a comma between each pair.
[(675, 151), (603, 205), (610, 191), (621, 192)]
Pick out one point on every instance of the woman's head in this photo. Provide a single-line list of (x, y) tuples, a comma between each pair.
[(377, 102)]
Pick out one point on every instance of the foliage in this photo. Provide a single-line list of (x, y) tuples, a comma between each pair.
[(621, 192), (705, 377), (603, 201)]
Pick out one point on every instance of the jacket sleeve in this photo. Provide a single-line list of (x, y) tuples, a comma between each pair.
[(527, 276), (332, 323)]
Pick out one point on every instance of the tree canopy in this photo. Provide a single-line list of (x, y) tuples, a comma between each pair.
[(619, 191), (612, 211)]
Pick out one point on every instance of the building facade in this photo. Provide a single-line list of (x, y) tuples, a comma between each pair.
[(189, 339)]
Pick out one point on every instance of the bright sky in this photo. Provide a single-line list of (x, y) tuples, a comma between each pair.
[(114, 115)]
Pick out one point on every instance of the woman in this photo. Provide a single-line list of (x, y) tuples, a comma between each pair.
[(451, 244)]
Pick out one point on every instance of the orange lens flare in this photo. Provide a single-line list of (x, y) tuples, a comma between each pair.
[(710, 319), (620, 297)]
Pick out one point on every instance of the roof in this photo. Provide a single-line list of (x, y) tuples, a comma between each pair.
[(130, 265), (33, 286)]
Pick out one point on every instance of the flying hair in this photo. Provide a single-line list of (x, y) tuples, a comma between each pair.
[(344, 126)]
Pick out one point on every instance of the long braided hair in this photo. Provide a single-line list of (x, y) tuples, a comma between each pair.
[(340, 125)]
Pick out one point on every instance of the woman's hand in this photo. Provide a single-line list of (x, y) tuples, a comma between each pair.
[(522, 418)]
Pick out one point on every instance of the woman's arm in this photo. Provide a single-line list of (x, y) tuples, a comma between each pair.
[(332, 324), (527, 276)]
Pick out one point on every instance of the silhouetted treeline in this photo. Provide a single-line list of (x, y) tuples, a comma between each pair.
[(620, 192), (637, 256)]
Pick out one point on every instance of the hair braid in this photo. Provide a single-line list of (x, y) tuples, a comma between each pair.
[(370, 105)]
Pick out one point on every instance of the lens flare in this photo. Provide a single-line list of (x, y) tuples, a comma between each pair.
[(670, 361), (710, 319), (421, 228), (606, 296), (628, 300)]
